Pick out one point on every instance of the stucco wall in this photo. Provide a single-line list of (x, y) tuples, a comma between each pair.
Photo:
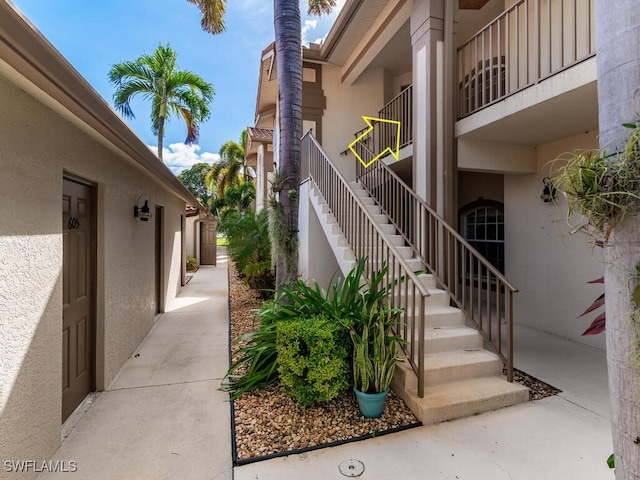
[(549, 269), (316, 260), (36, 148), (346, 104)]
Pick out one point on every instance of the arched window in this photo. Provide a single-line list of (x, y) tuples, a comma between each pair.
[(482, 225)]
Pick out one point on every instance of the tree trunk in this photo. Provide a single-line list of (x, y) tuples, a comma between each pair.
[(618, 62), (289, 60), (160, 136)]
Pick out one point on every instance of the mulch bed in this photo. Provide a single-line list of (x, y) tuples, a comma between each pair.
[(269, 423)]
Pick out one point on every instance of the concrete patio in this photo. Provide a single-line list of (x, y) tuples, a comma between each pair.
[(163, 417)]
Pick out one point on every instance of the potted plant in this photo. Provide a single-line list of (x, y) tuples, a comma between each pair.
[(375, 354)]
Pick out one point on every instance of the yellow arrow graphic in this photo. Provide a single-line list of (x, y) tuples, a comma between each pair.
[(371, 121)]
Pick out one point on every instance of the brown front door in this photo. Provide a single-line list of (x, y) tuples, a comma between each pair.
[(159, 263), (78, 317), (208, 243)]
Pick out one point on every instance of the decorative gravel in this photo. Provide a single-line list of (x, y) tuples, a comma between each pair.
[(268, 422), (537, 388)]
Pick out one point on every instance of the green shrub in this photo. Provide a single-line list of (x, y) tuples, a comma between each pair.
[(312, 359), (259, 276), (248, 236), (192, 263)]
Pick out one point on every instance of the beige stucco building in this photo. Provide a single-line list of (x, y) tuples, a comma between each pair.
[(487, 92), (83, 279)]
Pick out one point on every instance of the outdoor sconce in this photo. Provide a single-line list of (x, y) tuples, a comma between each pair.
[(549, 191), (143, 212)]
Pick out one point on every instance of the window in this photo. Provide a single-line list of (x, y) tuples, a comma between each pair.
[(483, 227)]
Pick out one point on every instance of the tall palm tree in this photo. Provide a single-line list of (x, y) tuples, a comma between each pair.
[(287, 25), (156, 77), (618, 77), (232, 167)]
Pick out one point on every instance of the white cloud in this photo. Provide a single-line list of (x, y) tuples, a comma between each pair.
[(179, 157), (308, 25)]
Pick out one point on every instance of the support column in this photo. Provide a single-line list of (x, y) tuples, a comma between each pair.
[(433, 83)]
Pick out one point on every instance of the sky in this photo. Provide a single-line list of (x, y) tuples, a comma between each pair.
[(94, 35)]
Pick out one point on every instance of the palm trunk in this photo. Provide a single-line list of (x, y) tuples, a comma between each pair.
[(618, 62), (289, 60), (160, 136)]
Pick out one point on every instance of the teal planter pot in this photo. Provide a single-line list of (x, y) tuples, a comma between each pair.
[(371, 404)]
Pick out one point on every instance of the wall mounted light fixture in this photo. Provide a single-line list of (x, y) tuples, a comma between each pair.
[(142, 212), (549, 191)]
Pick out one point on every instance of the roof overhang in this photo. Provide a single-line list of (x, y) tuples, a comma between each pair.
[(267, 86), (31, 63)]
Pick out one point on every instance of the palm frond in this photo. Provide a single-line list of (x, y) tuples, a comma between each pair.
[(320, 7), (212, 14)]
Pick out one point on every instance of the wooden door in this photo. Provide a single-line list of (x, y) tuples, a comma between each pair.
[(159, 262), (78, 317), (208, 243)]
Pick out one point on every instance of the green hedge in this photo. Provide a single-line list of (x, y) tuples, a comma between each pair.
[(313, 359)]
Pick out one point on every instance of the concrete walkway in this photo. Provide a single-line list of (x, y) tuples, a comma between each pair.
[(163, 417)]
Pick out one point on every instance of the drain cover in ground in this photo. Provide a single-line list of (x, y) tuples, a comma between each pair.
[(351, 468)]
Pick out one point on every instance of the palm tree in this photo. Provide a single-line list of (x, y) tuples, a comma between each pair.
[(618, 78), (287, 25), (156, 77), (232, 167)]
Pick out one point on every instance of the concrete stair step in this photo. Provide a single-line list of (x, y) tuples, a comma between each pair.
[(437, 296), (368, 200), (460, 399), (375, 209), (442, 339), (428, 280), (441, 316), (455, 365)]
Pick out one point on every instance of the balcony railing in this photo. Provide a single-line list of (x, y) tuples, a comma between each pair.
[(366, 239), (384, 134), (527, 43), (475, 285)]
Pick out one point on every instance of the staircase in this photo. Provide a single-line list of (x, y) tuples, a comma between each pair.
[(449, 374)]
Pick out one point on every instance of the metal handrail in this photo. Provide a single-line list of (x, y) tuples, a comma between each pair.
[(525, 44), (399, 108), (367, 239), (474, 284)]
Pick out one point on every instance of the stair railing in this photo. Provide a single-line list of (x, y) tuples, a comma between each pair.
[(384, 135), (475, 285), (367, 239)]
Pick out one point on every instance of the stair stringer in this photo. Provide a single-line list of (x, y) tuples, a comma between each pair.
[(345, 257)]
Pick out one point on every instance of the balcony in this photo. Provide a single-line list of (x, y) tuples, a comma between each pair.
[(529, 42)]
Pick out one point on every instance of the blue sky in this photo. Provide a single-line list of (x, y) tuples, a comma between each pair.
[(93, 35)]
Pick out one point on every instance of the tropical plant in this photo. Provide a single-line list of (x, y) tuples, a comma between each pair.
[(254, 365), (238, 198), (375, 349), (192, 263), (194, 179), (259, 276), (288, 46), (312, 358), (156, 77), (248, 236)]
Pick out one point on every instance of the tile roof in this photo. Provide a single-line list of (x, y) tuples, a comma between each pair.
[(257, 134)]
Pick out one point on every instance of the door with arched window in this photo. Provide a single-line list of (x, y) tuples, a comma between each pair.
[(482, 225)]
